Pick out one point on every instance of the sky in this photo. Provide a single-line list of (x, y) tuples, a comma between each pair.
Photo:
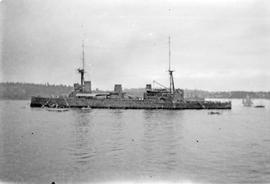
[(216, 44)]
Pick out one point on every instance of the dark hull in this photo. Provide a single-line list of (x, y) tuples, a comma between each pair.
[(126, 104)]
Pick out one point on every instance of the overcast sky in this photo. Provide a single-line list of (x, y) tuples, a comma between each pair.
[(216, 45)]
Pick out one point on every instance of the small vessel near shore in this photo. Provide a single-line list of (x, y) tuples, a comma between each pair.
[(259, 106), (214, 113), (86, 108), (166, 98), (56, 109)]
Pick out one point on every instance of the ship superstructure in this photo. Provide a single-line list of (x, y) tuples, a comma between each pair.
[(165, 94), (85, 86)]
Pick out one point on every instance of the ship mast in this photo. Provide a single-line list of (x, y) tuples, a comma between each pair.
[(170, 71), (81, 70)]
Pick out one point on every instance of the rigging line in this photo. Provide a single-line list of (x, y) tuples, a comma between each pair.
[(169, 53)]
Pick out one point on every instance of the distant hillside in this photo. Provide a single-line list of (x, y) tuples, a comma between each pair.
[(22, 91), (240, 94), (11, 90)]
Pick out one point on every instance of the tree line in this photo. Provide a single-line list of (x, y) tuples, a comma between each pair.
[(23, 91)]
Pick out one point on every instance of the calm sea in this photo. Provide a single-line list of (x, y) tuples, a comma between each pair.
[(102, 145)]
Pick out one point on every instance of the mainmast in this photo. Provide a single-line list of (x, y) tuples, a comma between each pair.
[(171, 71), (81, 70)]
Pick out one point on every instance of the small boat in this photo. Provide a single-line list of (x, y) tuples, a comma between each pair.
[(259, 106), (86, 108), (56, 109), (247, 102), (213, 113)]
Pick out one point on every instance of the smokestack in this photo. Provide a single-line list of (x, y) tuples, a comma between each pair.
[(87, 86), (148, 87), (118, 88)]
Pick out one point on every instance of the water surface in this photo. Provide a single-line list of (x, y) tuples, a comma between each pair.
[(100, 145)]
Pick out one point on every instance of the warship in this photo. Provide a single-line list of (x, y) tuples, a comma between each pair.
[(169, 98)]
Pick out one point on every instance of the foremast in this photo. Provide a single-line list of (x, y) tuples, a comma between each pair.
[(172, 89), (81, 70)]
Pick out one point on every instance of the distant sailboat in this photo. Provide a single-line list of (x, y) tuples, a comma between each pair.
[(247, 102)]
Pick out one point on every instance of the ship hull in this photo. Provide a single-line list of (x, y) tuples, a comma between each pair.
[(126, 104)]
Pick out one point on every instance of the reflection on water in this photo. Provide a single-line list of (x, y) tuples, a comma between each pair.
[(115, 143), (82, 148), (110, 145), (160, 132)]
